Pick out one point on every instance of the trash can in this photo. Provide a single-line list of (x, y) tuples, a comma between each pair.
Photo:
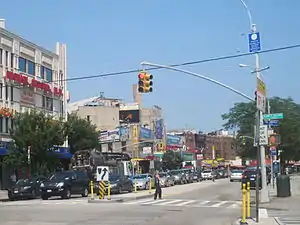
[(283, 184)]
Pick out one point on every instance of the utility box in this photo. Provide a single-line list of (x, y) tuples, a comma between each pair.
[(283, 184)]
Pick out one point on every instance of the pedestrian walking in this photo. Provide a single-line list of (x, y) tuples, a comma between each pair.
[(157, 183)]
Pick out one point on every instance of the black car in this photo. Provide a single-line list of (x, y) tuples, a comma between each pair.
[(250, 176), (118, 184), (26, 188), (189, 175), (65, 184)]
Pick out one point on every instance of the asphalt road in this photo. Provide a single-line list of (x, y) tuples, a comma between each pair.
[(216, 204)]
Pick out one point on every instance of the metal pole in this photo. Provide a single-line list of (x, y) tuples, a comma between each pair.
[(199, 76), (271, 157), (257, 167)]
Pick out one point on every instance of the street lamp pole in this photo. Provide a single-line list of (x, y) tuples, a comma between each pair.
[(261, 158), (199, 76)]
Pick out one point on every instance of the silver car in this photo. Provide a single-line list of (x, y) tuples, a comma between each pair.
[(142, 181), (236, 175)]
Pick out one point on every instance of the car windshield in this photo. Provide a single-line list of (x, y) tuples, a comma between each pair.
[(207, 171), (25, 181), (61, 176), (250, 173), (175, 172), (114, 178), (163, 174), (237, 171), (141, 176)]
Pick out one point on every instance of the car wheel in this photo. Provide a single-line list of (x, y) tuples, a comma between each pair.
[(11, 199), (67, 194), (231, 180), (85, 193), (44, 197)]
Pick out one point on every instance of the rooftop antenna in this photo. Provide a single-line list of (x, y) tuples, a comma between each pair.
[(101, 94)]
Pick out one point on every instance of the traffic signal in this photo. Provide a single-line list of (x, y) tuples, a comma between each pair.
[(274, 140), (145, 82), (244, 141), (255, 95)]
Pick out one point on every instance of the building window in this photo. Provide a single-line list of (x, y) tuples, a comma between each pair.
[(11, 93), (6, 58), (12, 124), (30, 67), (42, 72), (47, 103), (1, 51), (1, 87), (22, 64), (48, 75), (12, 60), (6, 125), (6, 92), (88, 118), (1, 124)]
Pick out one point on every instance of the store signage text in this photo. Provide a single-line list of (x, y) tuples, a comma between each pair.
[(22, 79)]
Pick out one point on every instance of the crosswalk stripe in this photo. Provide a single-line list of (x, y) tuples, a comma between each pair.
[(218, 204), (204, 202), (185, 203), (154, 202), (233, 206), (139, 201), (169, 202)]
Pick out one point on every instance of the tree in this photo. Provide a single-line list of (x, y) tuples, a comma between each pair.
[(172, 160), (81, 134), (241, 117), (39, 132)]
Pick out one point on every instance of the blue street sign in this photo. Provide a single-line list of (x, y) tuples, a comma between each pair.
[(273, 151), (272, 123), (254, 42)]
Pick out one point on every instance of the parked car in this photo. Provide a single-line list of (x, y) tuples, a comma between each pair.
[(165, 179), (189, 175), (26, 188), (172, 178), (236, 175), (197, 176), (250, 176), (65, 184), (119, 184), (180, 178), (207, 174), (142, 181)]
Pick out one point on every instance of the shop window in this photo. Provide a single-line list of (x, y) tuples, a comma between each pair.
[(48, 75), (49, 103), (12, 60), (30, 67), (6, 125), (22, 64), (6, 58)]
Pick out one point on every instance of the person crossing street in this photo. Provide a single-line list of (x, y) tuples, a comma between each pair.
[(158, 191)]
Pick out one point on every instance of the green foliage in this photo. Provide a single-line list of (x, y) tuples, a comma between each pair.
[(40, 132), (241, 117), (172, 159), (81, 134)]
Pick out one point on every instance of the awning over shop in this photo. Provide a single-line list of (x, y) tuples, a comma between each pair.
[(3, 151)]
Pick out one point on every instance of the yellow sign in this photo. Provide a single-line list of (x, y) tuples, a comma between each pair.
[(135, 133), (261, 87)]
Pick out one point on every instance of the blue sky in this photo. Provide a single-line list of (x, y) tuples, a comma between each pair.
[(110, 36)]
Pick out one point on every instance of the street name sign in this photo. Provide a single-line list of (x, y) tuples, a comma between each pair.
[(254, 42), (102, 173), (272, 123), (261, 95), (263, 135), (274, 116)]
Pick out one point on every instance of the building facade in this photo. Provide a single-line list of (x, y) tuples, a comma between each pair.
[(31, 77)]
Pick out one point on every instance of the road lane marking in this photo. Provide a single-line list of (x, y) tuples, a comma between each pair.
[(204, 202), (139, 201), (169, 202), (154, 202), (185, 203), (218, 204)]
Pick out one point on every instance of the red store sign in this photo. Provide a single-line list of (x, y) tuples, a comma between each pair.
[(22, 79)]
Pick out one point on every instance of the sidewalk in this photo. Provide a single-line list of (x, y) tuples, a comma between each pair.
[(166, 192), (263, 221)]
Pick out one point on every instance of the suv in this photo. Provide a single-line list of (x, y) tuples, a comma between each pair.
[(65, 184), (250, 176)]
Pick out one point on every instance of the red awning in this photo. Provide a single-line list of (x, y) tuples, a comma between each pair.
[(254, 162)]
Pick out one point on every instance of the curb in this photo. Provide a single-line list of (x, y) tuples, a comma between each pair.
[(120, 200)]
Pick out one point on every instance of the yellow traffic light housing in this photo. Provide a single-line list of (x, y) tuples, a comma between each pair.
[(145, 82)]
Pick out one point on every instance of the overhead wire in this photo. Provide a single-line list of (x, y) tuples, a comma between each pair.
[(182, 64)]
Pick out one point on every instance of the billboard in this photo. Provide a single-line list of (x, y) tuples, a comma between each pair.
[(173, 139), (159, 129), (109, 136), (145, 133), (129, 116)]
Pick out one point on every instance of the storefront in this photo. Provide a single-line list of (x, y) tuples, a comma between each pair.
[(146, 142)]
